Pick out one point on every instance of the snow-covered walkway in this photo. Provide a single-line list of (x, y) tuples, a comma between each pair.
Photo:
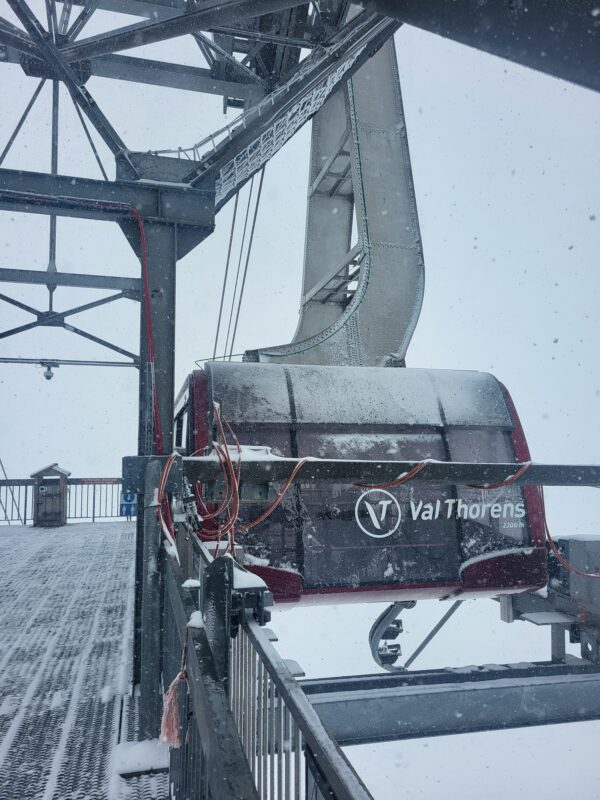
[(66, 613)]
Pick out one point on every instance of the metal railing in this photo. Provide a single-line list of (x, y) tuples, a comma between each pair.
[(16, 501), (209, 763), (270, 736), (246, 727), (87, 499), (93, 498), (290, 753)]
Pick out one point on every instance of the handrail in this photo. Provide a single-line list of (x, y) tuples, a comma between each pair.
[(215, 736), (264, 468), (341, 778)]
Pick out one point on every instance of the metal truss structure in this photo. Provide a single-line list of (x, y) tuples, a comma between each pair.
[(284, 63)]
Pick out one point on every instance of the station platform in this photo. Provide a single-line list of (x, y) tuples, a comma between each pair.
[(66, 624)]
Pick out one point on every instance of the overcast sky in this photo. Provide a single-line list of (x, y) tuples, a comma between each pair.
[(506, 166)]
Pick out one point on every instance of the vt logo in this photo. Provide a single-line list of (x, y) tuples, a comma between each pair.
[(377, 513)]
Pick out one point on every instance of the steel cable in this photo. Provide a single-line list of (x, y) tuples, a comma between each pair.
[(248, 252), (239, 266), (235, 207)]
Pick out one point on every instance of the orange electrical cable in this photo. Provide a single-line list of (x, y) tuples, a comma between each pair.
[(506, 482), (399, 480), (277, 500)]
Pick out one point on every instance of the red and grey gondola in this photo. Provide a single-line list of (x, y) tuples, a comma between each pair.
[(328, 542)]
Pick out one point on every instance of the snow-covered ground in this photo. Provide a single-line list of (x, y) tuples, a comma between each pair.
[(65, 627)]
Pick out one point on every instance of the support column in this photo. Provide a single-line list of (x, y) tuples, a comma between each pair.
[(161, 249), (386, 211), (360, 317), (161, 252), (329, 216)]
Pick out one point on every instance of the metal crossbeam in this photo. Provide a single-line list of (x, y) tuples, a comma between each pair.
[(380, 708), (264, 470), (69, 362), (133, 286), (173, 76), (324, 282), (37, 192), (213, 12), (260, 36), (153, 9), (13, 37), (328, 163)]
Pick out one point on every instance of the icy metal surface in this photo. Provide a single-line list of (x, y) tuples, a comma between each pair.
[(65, 635), (260, 393)]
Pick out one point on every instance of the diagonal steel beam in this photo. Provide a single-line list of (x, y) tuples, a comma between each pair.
[(82, 19), (98, 340), (94, 304), (206, 52), (21, 329), (18, 304), (213, 12), (227, 57), (321, 284), (88, 136), (133, 286), (153, 9), (64, 17), (261, 36), (64, 72), (13, 37), (21, 121)]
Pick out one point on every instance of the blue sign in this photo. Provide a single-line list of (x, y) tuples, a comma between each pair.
[(128, 504)]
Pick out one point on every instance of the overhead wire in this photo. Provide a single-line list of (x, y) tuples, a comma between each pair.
[(239, 266), (248, 253), (229, 248)]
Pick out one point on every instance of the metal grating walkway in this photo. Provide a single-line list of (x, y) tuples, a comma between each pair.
[(66, 612)]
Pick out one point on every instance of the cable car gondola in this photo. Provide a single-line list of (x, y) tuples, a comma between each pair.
[(330, 542)]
